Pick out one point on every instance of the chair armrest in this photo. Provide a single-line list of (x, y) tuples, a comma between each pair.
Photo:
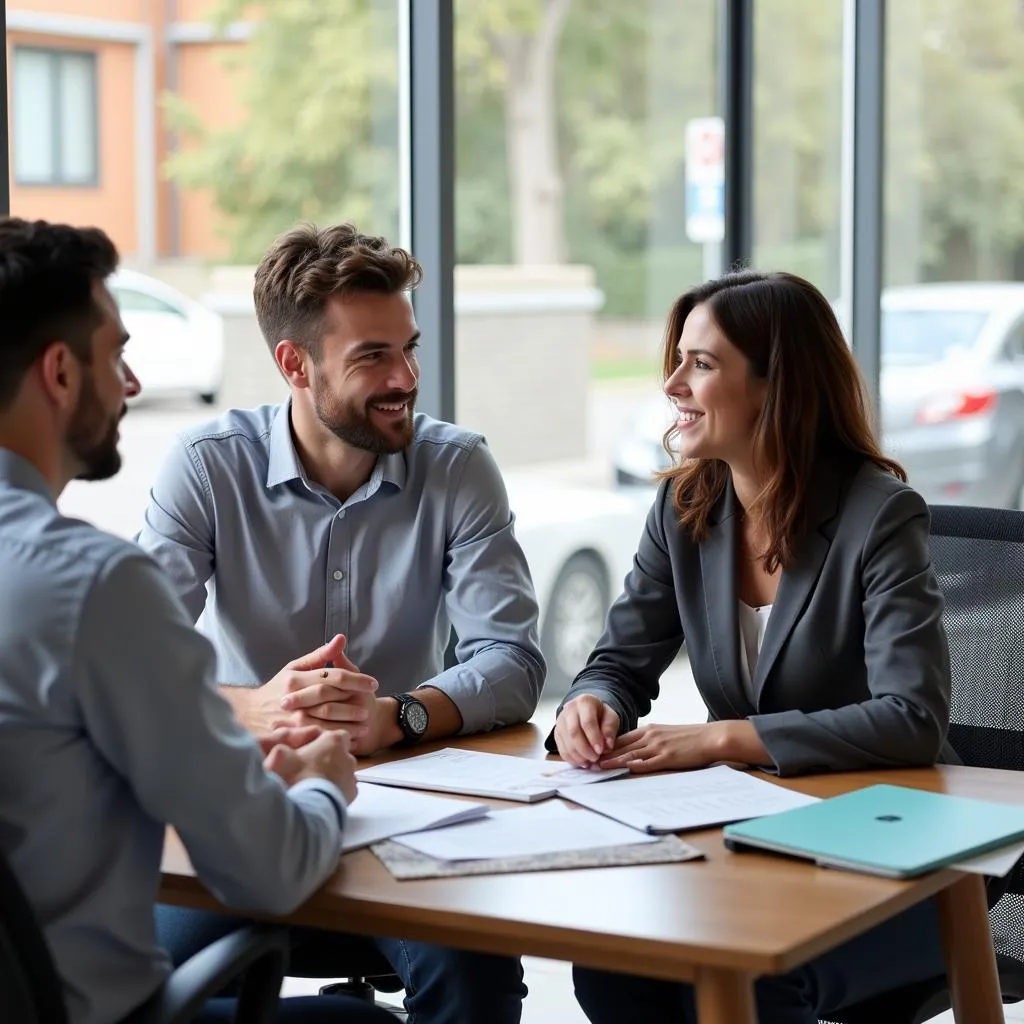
[(212, 969)]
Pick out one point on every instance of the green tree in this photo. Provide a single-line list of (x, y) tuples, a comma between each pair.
[(567, 125), (318, 139)]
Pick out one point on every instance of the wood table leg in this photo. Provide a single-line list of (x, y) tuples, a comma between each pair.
[(970, 958), (724, 997)]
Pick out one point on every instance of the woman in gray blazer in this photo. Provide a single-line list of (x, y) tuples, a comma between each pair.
[(790, 556)]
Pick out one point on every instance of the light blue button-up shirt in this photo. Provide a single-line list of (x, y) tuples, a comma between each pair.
[(111, 725), (275, 565)]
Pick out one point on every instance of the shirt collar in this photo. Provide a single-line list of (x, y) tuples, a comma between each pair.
[(20, 473), (283, 463)]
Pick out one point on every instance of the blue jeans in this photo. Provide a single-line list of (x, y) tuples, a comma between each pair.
[(904, 950), (442, 986)]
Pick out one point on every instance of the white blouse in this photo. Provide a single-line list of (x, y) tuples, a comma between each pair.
[(753, 622)]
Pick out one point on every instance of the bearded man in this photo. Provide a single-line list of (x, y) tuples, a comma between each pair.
[(344, 517)]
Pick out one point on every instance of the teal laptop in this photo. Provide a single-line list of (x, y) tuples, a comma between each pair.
[(884, 830)]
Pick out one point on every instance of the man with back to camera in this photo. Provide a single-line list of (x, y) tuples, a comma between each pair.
[(342, 514), (110, 720)]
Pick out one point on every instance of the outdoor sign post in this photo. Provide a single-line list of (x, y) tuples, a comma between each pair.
[(705, 188)]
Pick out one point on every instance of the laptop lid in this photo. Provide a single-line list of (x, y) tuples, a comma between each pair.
[(886, 830)]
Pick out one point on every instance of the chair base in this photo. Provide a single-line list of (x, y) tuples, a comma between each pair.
[(358, 988)]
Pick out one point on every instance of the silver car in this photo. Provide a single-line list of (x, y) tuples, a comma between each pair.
[(952, 395)]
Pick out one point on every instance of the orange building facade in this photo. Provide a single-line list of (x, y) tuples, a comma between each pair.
[(88, 132)]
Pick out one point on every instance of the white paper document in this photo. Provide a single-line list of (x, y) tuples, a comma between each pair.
[(380, 812), (524, 832), (479, 774), (683, 800)]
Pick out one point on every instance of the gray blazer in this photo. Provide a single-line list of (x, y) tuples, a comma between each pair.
[(854, 667)]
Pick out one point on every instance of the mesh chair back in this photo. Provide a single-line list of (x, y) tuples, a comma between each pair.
[(978, 554)]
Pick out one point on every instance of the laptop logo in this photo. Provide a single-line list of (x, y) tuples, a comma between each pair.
[(888, 817)]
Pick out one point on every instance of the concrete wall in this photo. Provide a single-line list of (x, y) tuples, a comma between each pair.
[(522, 358)]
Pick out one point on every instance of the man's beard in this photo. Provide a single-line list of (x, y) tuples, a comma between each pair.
[(355, 427), (92, 434)]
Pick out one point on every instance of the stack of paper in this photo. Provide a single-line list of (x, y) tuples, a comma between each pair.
[(379, 813), (478, 774), (658, 804), (524, 832)]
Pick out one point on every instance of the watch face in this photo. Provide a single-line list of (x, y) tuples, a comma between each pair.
[(416, 718)]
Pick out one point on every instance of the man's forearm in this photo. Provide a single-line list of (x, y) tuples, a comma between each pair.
[(445, 719)]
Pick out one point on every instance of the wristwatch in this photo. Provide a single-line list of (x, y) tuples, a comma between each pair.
[(413, 717)]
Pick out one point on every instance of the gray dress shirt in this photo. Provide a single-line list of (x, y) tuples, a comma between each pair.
[(111, 725), (273, 565)]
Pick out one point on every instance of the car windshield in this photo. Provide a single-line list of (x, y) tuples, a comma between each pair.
[(929, 335)]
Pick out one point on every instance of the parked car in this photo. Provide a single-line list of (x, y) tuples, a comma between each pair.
[(952, 395), (579, 543), (177, 344)]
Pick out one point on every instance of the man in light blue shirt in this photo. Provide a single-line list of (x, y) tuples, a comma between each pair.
[(343, 514), (110, 721)]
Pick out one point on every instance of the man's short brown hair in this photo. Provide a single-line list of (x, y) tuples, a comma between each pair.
[(308, 265)]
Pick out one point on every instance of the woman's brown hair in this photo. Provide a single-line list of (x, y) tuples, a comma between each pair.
[(815, 412)]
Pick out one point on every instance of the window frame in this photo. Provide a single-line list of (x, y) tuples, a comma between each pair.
[(56, 56)]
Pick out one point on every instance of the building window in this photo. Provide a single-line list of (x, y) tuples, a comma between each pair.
[(55, 131)]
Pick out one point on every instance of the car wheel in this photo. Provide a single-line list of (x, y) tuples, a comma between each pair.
[(574, 620), (208, 397)]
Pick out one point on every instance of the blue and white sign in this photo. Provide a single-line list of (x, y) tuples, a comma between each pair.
[(705, 179)]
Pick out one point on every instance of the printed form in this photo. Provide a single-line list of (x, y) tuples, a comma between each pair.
[(685, 800), (476, 773)]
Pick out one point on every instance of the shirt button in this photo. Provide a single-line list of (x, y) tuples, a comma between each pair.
[(339, 575)]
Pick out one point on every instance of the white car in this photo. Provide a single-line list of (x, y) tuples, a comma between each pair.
[(579, 543), (177, 344)]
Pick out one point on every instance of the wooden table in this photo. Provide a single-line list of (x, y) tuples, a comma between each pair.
[(718, 923)]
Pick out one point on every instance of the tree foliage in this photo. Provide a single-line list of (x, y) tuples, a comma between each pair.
[(318, 136)]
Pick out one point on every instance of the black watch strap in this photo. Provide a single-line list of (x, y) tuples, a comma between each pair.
[(413, 717)]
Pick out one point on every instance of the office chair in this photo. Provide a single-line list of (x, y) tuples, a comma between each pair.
[(978, 554), (367, 971), (31, 991)]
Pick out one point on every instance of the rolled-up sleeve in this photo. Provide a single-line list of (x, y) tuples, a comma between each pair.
[(178, 527), (905, 720), (491, 603), (149, 702)]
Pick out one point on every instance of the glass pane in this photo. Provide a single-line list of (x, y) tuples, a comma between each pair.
[(579, 219), (798, 78), (952, 391), (32, 102), (292, 117), (77, 118)]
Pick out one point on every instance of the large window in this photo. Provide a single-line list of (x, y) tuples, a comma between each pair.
[(54, 113), (952, 381), (573, 239), (210, 144), (798, 78)]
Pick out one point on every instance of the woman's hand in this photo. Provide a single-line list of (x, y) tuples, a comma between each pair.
[(586, 731), (659, 748)]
